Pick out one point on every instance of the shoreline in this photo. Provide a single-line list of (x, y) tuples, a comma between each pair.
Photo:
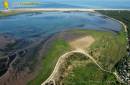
[(48, 9), (61, 9), (22, 10)]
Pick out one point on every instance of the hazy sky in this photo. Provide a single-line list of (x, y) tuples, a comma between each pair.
[(95, 1), (70, 0), (83, 3)]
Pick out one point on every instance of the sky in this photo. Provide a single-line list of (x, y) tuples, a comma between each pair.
[(84, 3), (74, 0), (67, 1)]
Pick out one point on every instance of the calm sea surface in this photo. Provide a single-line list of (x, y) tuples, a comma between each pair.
[(31, 25)]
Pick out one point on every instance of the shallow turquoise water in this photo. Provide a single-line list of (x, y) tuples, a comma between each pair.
[(42, 24)]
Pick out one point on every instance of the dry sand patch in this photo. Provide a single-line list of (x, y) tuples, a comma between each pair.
[(82, 43)]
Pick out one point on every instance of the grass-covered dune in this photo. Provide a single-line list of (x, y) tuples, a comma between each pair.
[(58, 48), (89, 74), (107, 50), (82, 71)]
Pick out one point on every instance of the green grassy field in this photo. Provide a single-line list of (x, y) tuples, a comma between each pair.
[(58, 48), (89, 74), (108, 48), (111, 47)]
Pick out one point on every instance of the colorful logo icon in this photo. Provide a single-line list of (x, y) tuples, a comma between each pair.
[(6, 4)]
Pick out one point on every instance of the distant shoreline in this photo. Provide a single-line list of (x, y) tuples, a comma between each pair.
[(63, 9)]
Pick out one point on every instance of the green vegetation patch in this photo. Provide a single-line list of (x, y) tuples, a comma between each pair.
[(49, 61), (108, 47), (89, 74)]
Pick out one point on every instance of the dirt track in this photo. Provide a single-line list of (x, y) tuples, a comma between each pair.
[(51, 77)]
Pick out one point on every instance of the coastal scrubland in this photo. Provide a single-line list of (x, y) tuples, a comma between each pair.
[(58, 47), (107, 50)]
